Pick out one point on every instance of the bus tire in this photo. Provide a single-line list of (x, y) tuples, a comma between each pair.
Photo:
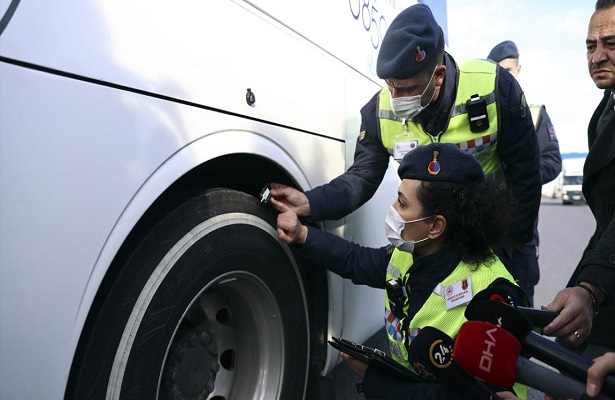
[(209, 305)]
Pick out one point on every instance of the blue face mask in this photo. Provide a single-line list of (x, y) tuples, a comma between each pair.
[(394, 224)]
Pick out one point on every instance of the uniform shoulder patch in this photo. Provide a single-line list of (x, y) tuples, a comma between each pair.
[(551, 130), (361, 136), (521, 110)]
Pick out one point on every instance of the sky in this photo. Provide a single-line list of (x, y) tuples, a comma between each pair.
[(550, 35)]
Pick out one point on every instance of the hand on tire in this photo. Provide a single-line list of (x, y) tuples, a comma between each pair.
[(290, 229), (294, 199)]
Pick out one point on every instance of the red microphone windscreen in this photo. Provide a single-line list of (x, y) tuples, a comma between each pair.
[(487, 352)]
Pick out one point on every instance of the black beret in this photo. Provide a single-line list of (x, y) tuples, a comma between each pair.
[(409, 44), (443, 162), (506, 49)]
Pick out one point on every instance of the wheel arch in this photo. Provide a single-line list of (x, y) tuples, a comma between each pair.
[(190, 171)]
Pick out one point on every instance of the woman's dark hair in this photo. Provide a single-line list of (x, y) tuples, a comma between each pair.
[(478, 215)]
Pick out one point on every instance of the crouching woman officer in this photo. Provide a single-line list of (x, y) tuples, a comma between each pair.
[(441, 226)]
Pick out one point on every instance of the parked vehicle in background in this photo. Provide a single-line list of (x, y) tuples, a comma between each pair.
[(572, 178), (136, 260), (572, 189)]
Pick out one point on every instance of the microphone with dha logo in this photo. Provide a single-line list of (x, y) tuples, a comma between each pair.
[(490, 353), (534, 345)]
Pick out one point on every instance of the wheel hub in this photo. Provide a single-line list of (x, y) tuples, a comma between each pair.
[(192, 368)]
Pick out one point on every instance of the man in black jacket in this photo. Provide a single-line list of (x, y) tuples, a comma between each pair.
[(592, 284)]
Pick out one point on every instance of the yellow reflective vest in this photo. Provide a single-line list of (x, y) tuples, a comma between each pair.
[(433, 312), (475, 77)]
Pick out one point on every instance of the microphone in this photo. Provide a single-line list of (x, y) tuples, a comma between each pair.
[(488, 352), (506, 292), (533, 344), (491, 353), (501, 314), (537, 317), (431, 356), (564, 359)]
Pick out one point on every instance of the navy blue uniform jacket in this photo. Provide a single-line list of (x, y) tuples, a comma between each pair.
[(517, 148), (550, 157)]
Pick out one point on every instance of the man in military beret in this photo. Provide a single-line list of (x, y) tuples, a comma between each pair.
[(506, 54), (429, 98), (524, 263)]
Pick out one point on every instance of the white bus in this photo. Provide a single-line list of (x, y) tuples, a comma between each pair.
[(136, 261)]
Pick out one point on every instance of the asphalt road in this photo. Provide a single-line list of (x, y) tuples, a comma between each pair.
[(564, 232)]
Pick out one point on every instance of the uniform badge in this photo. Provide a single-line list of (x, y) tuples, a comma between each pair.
[(551, 131), (420, 54), (434, 166), (361, 136), (458, 293)]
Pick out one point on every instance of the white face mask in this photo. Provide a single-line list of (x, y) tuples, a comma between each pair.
[(410, 106), (393, 225)]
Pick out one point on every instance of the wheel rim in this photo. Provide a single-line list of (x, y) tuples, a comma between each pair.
[(207, 358)]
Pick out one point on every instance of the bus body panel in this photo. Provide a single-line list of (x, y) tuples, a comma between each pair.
[(45, 254), (182, 52), (104, 105)]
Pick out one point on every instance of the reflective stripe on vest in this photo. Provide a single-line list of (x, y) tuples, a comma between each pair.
[(475, 77), (431, 313)]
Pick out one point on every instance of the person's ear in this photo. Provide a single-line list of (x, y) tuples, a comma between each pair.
[(440, 74), (438, 226), (518, 69)]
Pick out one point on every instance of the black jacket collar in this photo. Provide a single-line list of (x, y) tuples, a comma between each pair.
[(426, 272), (435, 117)]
